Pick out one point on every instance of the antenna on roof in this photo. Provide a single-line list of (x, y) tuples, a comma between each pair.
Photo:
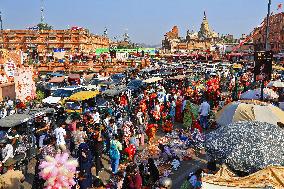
[(41, 12)]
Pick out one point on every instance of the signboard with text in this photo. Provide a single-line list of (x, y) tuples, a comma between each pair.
[(263, 65)]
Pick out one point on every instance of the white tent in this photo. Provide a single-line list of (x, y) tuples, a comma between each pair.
[(249, 111), (256, 94), (277, 84)]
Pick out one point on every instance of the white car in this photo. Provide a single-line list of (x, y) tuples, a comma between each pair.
[(211, 68), (95, 84), (61, 93)]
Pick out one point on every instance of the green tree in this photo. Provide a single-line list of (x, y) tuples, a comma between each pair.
[(43, 26), (40, 95)]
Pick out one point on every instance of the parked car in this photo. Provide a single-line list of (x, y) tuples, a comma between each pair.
[(61, 94), (95, 84)]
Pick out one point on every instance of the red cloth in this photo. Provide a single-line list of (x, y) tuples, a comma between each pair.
[(156, 115), (123, 100), (136, 182), (195, 125), (130, 150), (21, 105), (178, 116), (167, 126), (73, 126), (151, 130), (143, 107)]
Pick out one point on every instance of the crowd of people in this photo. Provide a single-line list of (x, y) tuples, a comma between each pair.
[(130, 122)]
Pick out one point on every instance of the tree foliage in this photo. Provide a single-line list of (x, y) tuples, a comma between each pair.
[(40, 95), (44, 26)]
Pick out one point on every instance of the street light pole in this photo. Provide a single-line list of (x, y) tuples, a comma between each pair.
[(267, 46)]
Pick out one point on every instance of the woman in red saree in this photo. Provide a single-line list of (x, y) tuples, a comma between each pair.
[(167, 125), (143, 106), (151, 132), (178, 116), (123, 100)]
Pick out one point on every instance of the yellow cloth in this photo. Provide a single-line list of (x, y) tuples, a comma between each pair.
[(11, 179), (83, 95), (271, 176)]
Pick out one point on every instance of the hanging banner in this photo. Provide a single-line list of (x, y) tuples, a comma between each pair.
[(263, 65), (24, 84), (3, 78), (59, 53), (9, 68)]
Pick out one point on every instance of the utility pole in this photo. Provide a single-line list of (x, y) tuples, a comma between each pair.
[(267, 46), (2, 35)]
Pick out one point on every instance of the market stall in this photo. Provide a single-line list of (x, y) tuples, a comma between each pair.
[(268, 94), (249, 111), (246, 147), (271, 176), (79, 102)]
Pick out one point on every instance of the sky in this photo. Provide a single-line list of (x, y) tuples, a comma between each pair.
[(146, 21)]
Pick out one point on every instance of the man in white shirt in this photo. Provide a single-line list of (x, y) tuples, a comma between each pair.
[(96, 116), (204, 110), (60, 134), (161, 95), (7, 150), (140, 117)]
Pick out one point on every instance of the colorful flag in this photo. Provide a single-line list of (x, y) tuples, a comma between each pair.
[(279, 6)]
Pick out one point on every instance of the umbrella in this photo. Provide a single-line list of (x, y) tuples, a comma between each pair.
[(57, 79), (256, 94), (277, 84), (246, 146), (114, 92), (249, 111), (83, 95)]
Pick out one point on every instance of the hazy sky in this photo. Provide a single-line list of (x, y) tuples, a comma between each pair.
[(145, 20)]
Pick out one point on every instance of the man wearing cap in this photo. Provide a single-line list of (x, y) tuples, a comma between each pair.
[(12, 179)]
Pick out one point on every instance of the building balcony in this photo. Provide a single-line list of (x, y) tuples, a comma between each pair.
[(53, 41), (67, 46), (11, 35), (11, 47), (52, 46), (31, 45), (14, 41)]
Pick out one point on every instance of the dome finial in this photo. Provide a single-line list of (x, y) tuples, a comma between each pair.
[(205, 17)]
